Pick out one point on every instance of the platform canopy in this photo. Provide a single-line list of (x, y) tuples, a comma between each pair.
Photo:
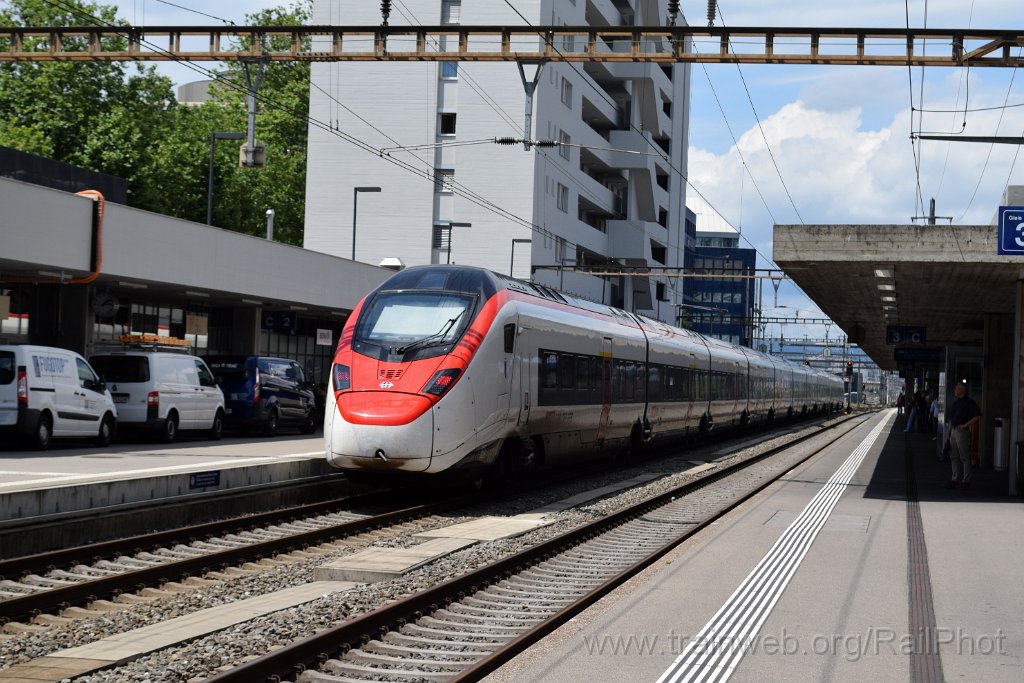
[(942, 278)]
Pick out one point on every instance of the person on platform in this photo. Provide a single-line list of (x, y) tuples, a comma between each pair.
[(915, 401), (933, 412), (963, 414), (899, 404)]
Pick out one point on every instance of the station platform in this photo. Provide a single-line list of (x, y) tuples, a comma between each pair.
[(895, 577), (72, 482)]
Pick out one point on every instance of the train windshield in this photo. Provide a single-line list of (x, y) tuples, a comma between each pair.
[(401, 322)]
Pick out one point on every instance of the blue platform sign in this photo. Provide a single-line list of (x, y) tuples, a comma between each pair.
[(284, 322), (1011, 230)]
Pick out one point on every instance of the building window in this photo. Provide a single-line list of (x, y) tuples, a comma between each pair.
[(449, 70), (444, 180), (566, 92), (562, 197), (451, 11), (446, 123), (659, 291), (564, 140), (658, 252)]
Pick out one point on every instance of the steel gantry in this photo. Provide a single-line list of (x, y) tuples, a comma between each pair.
[(664, 44)]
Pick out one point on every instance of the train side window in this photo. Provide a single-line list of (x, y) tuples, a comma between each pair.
[(510, 337), (582, 374), (629, 390), (567, 371), (596, 370), (654, 383), (550, 370)]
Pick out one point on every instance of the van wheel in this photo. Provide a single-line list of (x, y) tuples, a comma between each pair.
[(270, 425), (170, 433), (309, 426), (40, 439), (106, 431), (217, 430)]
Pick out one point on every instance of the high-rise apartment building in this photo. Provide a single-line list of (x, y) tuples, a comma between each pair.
[(611, 194)]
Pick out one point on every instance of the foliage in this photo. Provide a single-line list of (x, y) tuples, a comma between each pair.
[(123, 119)]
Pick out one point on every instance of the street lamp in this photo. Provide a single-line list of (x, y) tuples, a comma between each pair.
[(209, 182), (449, 225), (512, 259), (355, 205)]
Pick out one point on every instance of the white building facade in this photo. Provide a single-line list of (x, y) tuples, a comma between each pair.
[(612, 194)]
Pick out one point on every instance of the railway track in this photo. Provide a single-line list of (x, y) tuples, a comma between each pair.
[(469, 626), (46, 586), (55, 581)]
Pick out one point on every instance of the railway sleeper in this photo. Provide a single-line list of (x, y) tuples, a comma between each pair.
[(522, 611), (510, 593), (382, 647), (458, 636), (371, 673), (469, 623), (362, 656), (19, 589), (517, 603), (45, 582), (426, 644)]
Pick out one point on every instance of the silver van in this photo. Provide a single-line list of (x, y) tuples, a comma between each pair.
[(162, 392), (48, 393)]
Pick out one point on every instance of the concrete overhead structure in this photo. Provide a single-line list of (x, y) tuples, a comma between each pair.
[(946, 279)]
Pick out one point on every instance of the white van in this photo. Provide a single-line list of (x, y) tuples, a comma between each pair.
[(162, 392), (49, 393)]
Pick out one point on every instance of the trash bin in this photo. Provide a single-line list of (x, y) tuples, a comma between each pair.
[(1000, 444)]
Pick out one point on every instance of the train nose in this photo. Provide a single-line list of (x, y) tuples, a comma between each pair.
[(382, 407), (382, 431)]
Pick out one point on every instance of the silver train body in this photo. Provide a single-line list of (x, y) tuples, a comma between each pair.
[(527, 376)]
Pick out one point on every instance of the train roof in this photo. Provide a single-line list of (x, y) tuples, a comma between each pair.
[(487, 283)]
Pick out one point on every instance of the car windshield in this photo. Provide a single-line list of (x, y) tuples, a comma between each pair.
[(397, 319), (228, 369), (121, 368)]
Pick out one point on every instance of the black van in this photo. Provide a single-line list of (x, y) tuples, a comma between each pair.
[(264, 393)]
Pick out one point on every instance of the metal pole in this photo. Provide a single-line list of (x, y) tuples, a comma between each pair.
[(448, 258), (270, 224), (355, 200), (209, 184)]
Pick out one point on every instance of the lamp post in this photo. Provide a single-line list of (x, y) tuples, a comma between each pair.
[(209, 181), (449, 225), (512, 258), (355, 206)]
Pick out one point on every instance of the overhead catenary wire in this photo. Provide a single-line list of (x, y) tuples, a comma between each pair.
[(605, 96), (760, 127), (914, 144), (264, 99)]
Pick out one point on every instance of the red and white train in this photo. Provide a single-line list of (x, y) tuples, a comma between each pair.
[(452, 369)]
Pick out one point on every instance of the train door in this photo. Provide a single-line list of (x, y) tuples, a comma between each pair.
[(521, 362)]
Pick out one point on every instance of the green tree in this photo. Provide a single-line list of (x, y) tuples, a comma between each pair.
[(100, 115), (123, 119), (243, 195)]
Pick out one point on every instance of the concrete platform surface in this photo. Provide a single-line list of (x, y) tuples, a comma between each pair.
[(66, 479), (879, 586), (125, 647)]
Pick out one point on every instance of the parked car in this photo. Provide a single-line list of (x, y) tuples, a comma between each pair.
[(48, 393), (162, 392), (265, 393)]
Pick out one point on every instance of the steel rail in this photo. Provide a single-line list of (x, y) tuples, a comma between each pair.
[(481, 43), (110, 586), (318, 648)]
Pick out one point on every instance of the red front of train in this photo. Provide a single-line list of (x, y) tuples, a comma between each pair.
[(401, 386)]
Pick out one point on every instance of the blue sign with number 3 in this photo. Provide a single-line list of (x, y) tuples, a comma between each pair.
[(1011, 230)]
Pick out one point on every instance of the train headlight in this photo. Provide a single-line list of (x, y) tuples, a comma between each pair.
[(441, 381), (342, 377)]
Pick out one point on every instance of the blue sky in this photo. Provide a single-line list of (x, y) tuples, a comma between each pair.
[(839, 135)]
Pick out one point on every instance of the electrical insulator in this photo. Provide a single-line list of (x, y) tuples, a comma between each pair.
[(673, 11), (385, 11), (712, 5)]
